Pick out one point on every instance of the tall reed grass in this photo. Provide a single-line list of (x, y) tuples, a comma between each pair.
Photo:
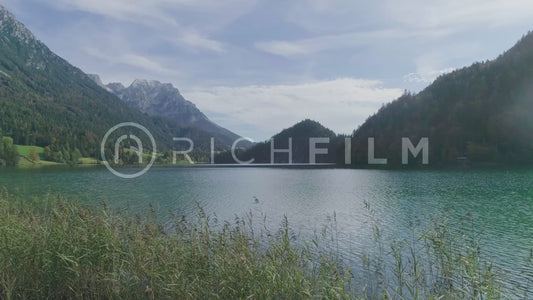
[(53, 248)]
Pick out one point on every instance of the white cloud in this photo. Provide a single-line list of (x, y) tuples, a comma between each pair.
[(207, 14), (322, 16), (432, 64), (165, 18), (146, 64), (224, 46), (458, 14), (196, 40), (259, 111), (425, 77), (283, 48), (349, 40), (145, 12), (138, 11)]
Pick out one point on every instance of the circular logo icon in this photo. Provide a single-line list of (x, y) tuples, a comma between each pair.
[(138, 149)]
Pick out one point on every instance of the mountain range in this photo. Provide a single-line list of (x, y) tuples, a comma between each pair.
[(476, 114), (45, 101), (164, 100)]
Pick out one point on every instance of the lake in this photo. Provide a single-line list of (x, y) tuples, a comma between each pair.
[(500, 202)]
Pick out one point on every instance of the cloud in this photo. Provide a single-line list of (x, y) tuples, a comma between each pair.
[(260, 111), (432, 64), (197, 41), (147, 12), (144, 63), (164, 18), (425, 77), (283, 48), (235, 57), (349, 40), (139, 11), (458, 14), (322, 16), (201, 14), (148, 65)]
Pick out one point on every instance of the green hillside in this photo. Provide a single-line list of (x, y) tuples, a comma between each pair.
[(300, 134), (45, 101), (478, 114)]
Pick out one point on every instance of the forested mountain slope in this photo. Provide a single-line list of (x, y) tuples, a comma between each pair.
[(46, 101), (481, 113)]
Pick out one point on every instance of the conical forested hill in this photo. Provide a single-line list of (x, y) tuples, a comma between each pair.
[(300, 134)]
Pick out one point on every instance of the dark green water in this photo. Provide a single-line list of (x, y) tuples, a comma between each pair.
[(500, 201)]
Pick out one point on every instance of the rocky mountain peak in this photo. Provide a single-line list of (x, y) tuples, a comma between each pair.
[(10, 26), (98, 81), (116, 87), (154, 86), (164, 100), (144, 83), (17, 37)]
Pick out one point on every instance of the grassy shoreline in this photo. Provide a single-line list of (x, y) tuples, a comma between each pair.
[(52, 248)]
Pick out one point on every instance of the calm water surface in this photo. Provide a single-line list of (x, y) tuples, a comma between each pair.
[(500, 201)]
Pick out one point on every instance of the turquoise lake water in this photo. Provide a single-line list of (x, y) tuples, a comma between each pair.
[(498, 204)]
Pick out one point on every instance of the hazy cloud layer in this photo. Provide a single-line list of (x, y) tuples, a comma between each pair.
[(259, 111), (281, 58)]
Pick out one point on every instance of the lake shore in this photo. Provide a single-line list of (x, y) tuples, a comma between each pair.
[(53, 248)]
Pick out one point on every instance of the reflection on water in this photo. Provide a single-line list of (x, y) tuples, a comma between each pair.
[(500, 201)]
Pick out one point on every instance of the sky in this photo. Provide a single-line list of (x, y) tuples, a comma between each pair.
[(259, 66)]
